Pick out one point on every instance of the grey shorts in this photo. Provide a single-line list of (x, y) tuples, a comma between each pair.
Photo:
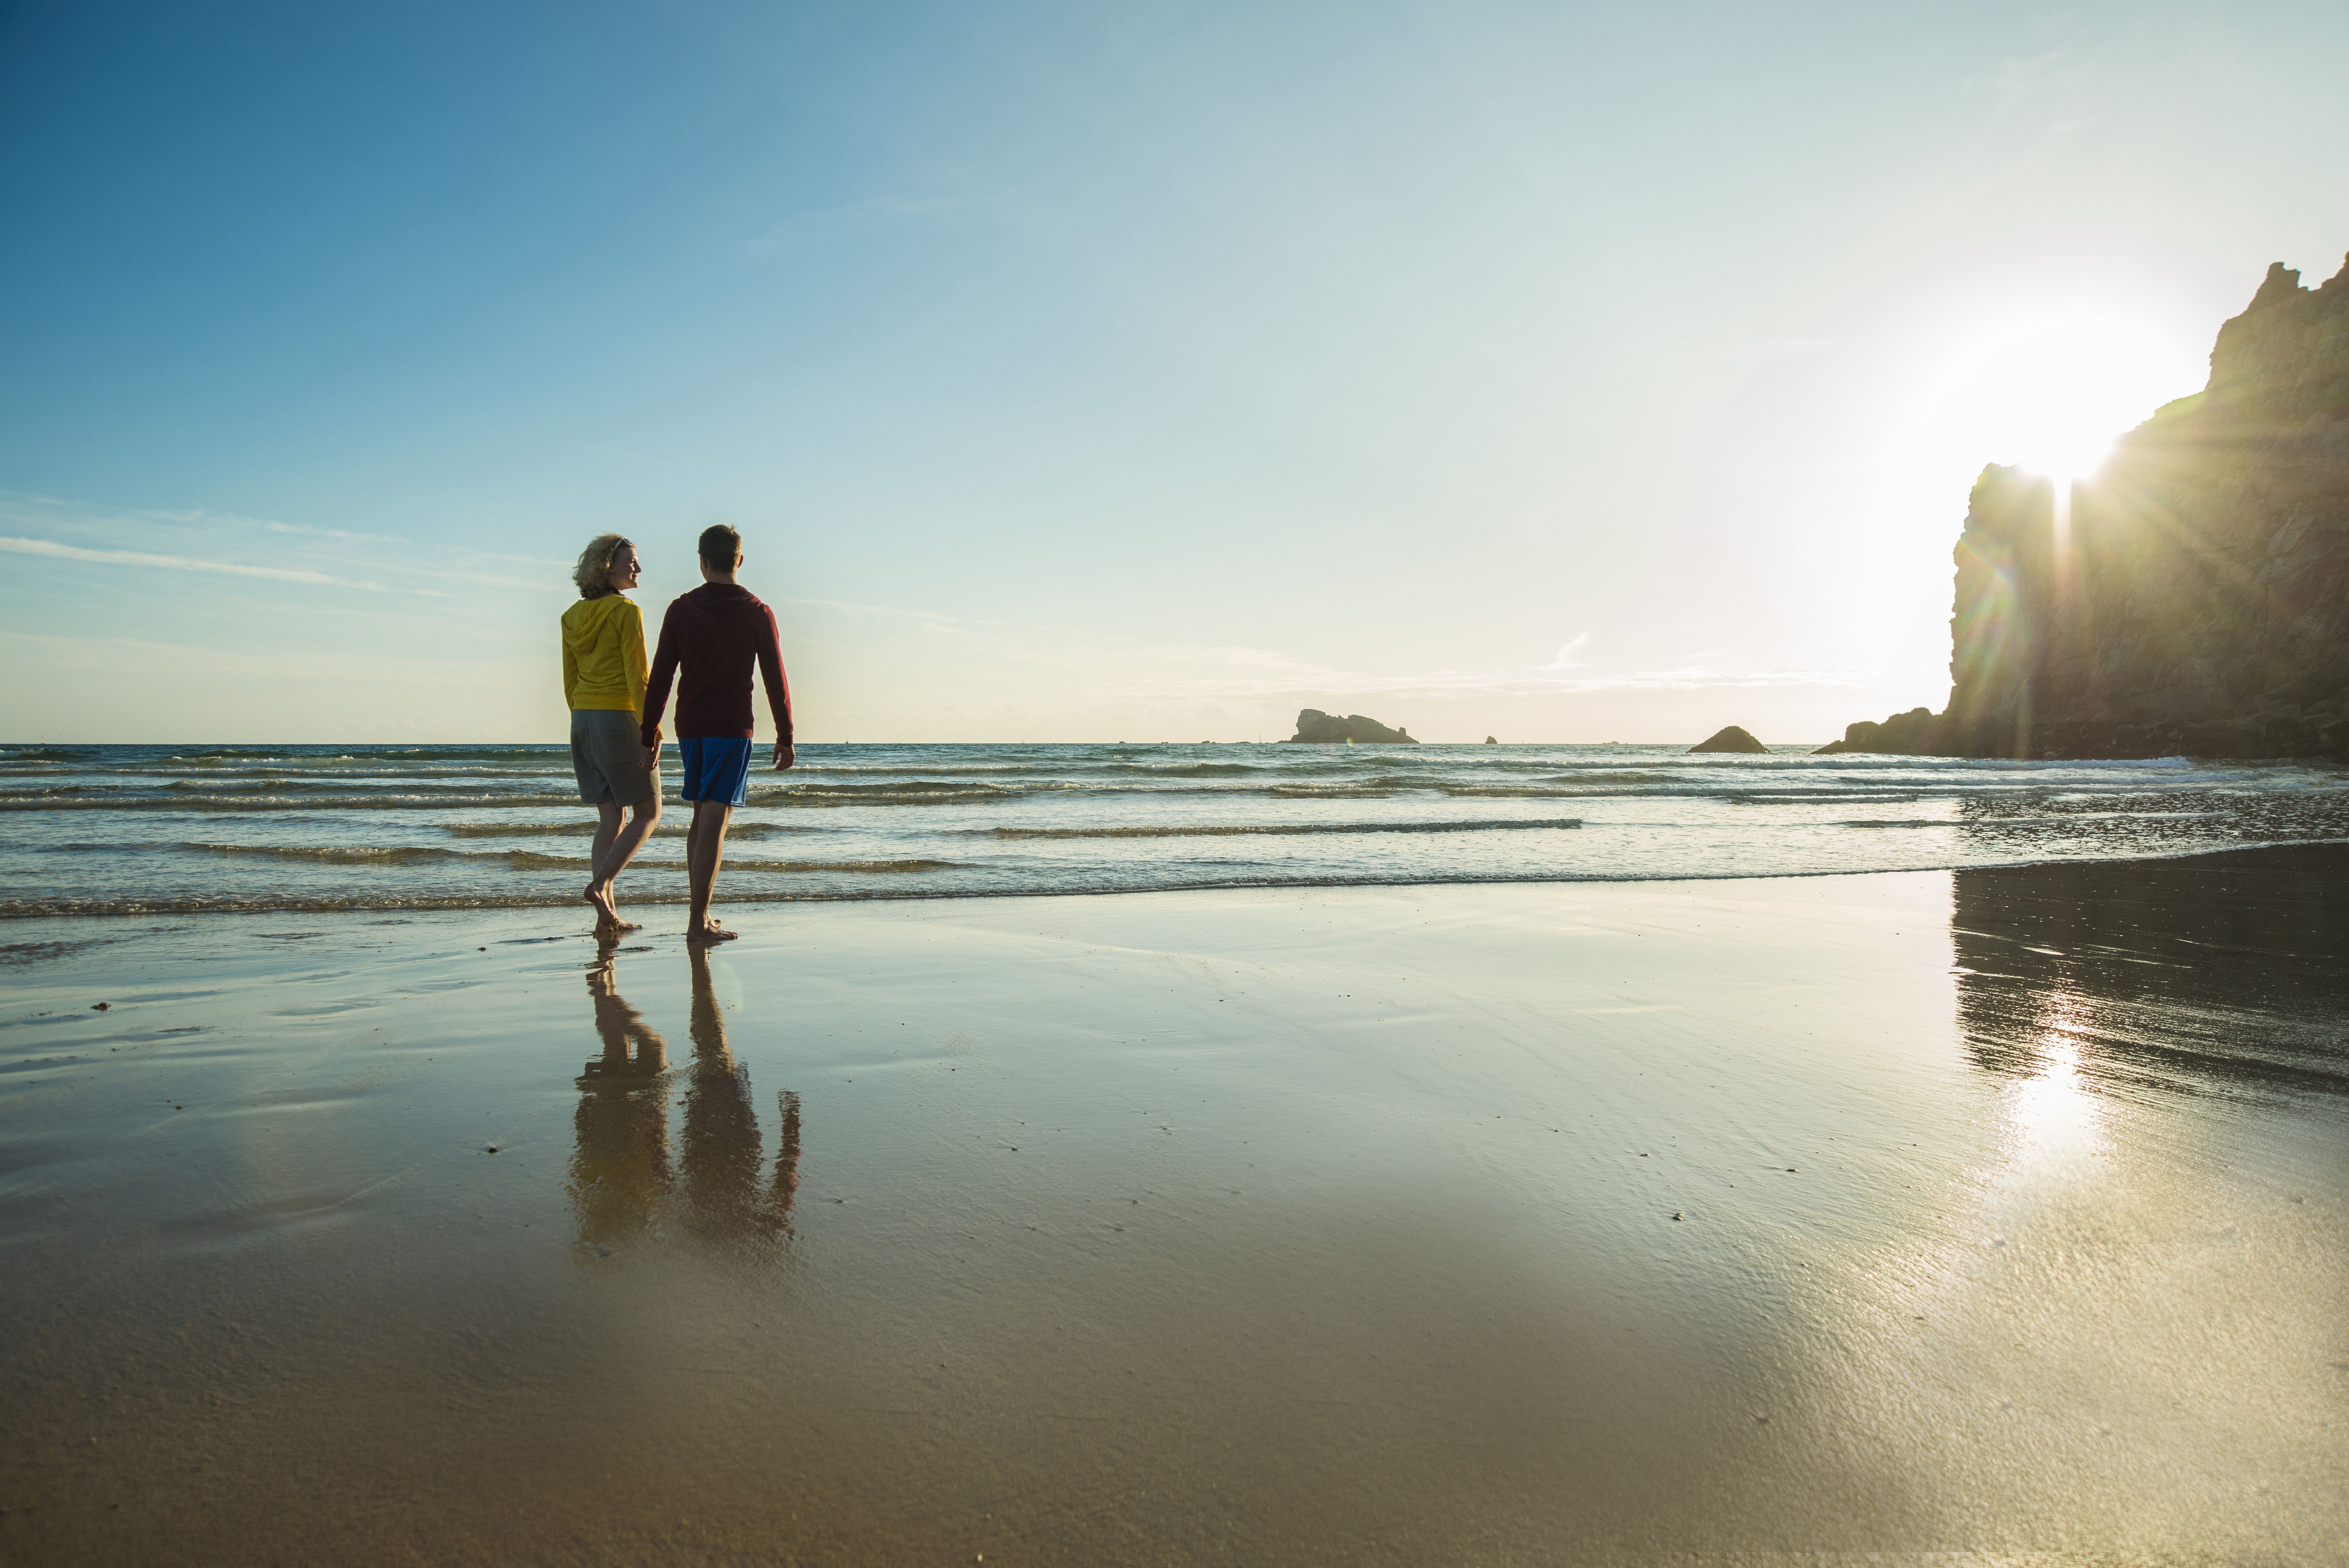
[(608, 753)]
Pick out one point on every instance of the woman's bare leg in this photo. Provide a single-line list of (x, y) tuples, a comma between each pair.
[(614, 853), (607, 828)]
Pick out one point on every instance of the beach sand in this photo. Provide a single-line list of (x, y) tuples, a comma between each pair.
[(1997, 1212)]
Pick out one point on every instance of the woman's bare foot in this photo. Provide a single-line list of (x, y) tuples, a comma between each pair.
[(608, 914), (710, 932)]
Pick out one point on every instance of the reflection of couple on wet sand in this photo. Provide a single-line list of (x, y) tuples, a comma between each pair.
[(709, 640), (621, 1174)]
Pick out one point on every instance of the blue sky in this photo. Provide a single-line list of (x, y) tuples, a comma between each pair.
[(1091, 372)]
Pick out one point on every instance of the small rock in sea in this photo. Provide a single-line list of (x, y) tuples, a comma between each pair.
[(100, 1006), (1732, 739)]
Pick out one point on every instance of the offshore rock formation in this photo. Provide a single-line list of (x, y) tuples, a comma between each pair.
[(1732, 739), (2195, 601), (1917, 732), (1316, 728)]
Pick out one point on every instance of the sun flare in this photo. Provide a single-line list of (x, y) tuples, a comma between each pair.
[(2051, 388)]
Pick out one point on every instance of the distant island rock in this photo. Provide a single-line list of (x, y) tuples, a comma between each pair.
[(2197, 602), (1316, 728), (1732, 739)]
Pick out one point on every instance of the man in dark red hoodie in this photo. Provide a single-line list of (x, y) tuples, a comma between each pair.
[(716, 633)]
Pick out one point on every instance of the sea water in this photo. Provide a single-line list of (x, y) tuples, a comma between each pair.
[(177, 829)]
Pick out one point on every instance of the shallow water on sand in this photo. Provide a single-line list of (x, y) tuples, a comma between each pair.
[(1992, 1212), (175, 830)]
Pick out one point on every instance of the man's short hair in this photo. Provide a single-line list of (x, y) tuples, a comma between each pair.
[(720, 545)]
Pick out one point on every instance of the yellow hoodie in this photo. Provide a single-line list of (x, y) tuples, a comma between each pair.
[(603, 654)]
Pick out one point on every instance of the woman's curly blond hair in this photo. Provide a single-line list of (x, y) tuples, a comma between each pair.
[(594, 572)]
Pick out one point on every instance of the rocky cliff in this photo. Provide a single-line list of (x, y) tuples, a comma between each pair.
[(2195, 601), (1317, 727)]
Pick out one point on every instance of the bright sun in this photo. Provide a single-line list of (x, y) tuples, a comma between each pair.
[(2051, 388)]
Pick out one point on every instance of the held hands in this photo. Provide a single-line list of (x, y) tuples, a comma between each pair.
[(784, 755)]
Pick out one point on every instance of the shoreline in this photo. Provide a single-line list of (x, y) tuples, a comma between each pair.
[(737, 898)]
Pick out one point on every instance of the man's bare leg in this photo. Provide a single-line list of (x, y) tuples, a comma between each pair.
[(705, 847), (615, 847)]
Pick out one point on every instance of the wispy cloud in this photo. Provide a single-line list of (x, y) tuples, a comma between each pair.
[(56, 551), (316, 554), (319, 665), (275, 527), (232, 520), (1565, 659)]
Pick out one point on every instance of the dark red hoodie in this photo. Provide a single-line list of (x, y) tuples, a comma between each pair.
[(716, 632)]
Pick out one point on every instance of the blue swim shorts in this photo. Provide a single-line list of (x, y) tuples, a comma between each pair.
[(717, 768)]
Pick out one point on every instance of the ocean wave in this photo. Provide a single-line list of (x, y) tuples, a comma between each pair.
[(276, 803), (531, 860), (1614, 777), (862, 868), (280, 784), (921, 792), (350, 757), (352, 854), (585, 827), (196, 776), (1193, 770), (1276, 829), (952, 769), (918, 787), (1514, 792)]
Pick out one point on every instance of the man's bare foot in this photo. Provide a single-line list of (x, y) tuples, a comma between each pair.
[(710, 932)]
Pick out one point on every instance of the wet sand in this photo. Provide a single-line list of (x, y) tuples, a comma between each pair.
[(1995, 1212)]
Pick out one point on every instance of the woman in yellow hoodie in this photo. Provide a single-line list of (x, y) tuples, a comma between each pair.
[(604, 681)]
